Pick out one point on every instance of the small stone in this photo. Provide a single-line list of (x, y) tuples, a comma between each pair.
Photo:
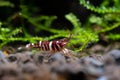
[(115, 55), (2, 55), (57, 57)]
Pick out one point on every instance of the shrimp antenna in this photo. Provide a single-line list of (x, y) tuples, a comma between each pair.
[(69, 37)]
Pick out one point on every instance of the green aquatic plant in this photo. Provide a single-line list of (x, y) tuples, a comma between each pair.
[(107, 17), (7, 35), (104, 7), (6, 3), (81, 36)]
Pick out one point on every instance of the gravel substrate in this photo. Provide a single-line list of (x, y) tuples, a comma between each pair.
[(27, 66)]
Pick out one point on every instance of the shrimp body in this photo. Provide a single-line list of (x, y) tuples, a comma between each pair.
[(53, 46)]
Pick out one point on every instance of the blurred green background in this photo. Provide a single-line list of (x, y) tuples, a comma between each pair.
[(89, 21)]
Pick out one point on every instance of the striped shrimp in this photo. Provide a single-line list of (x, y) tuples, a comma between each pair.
[(53, 46)]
